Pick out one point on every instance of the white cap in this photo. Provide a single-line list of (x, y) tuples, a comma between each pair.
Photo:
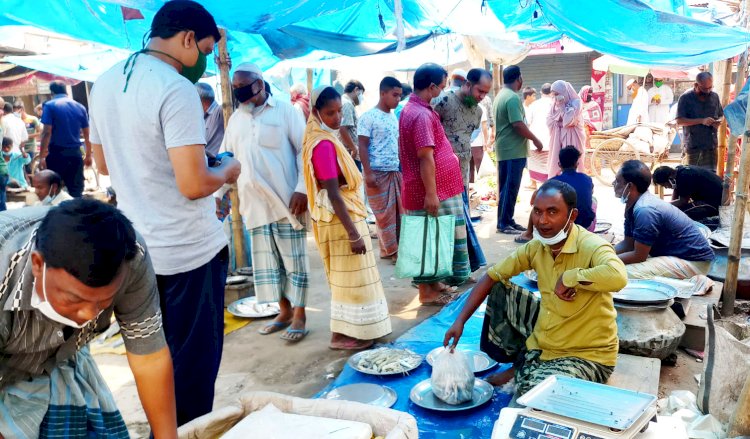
[(630, 82), (249, 68), (461, 73)]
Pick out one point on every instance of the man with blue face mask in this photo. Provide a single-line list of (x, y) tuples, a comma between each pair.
[(66, 272), (572, 330), (149, 136)]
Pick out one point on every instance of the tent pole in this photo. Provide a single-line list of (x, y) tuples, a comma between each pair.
[(726, 68), (238, 234), (310, 85), (497, 78), (732, 151), (735, 241)]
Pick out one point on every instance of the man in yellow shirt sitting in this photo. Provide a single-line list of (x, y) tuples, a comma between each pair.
[(575, 333)]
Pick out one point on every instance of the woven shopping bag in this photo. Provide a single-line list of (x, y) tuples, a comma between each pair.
[(425, 248)]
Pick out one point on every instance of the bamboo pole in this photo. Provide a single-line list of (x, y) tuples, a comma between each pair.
[(724, 67), (732, 151), (735, 241), (310, 86), (238, 234), (497, 78)]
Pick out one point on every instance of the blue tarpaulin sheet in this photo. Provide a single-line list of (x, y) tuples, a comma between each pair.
[(475, 423), (654, 33)]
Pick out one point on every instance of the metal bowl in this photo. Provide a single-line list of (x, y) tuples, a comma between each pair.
[(645, 292), (354, 362), (366, 393), (423, 396)]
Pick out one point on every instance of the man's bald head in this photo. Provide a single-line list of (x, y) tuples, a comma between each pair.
[(46, 183)]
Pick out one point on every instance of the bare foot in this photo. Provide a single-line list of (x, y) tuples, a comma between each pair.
[(341, 342), (502, 378)]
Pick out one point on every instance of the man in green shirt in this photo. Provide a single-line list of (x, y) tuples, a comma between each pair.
[(511, 135)]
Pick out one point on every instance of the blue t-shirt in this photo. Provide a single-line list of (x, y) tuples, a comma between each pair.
[(67, 118), (666, 229), (584, 187)]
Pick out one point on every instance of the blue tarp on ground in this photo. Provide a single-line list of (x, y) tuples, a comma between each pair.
[(476, 423)]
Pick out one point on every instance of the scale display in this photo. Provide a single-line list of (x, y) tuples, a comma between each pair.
[(527, 427)]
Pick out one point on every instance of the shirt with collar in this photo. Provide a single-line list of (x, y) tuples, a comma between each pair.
[(268, 143), (420, 127), (214, 118), (584, 327), (31, 344)]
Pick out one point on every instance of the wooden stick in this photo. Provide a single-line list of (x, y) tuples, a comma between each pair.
[(238, 232), (726, 66), (732, 151), (735, 241), (497, 78), (310, 86), (739, 423)]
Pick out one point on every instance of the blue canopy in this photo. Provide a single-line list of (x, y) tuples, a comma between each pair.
[(657, 33)]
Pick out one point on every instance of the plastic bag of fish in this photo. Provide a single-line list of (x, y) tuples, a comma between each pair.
[(386, 361), (452, 378)]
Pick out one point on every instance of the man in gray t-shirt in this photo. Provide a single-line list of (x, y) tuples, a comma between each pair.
[(66, 272), (348, 132), (148, 135)]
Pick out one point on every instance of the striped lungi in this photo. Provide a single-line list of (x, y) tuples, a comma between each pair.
[(667, 266), (73, 401), (534, 370), (538, 163), (385, 201), (461, 270), (358, 305), (280, 264)]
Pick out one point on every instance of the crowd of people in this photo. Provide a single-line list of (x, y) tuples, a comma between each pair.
[(158, 262)]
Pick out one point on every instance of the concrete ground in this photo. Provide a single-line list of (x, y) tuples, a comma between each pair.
[(255, 362)]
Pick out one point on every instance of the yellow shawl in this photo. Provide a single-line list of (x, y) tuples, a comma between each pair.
[(317, 198)]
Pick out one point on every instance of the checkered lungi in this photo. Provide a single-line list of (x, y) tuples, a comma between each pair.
[(461, 270), (509, 320), (280, 264)]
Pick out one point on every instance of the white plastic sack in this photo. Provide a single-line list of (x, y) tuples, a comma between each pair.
[(452, 377), (272, 423), (391, 424), (487, 167)]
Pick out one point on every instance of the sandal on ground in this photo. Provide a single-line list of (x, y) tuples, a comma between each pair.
[(521, 240), (273, 327), (294, 335), (509, 230), (442, 300), (352, 345)]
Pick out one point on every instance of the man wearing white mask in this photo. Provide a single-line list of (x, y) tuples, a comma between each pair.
[(639, 109), (660, 98), (265, 135), (576, 333), (48, 188), (67, 271)]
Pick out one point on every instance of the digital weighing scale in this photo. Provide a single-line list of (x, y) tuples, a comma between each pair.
[(569, 408)]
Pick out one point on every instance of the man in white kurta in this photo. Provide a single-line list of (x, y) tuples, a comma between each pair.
[(639, 109), (660, 98), (265, 135)]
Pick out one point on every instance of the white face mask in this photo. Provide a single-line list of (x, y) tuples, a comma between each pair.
[(560, 237), (47, 309), (624, 195)]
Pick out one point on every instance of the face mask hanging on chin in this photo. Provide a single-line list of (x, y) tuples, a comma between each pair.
[(560, 237)]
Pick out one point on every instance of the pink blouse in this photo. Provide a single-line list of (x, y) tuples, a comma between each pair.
[(324, 160)]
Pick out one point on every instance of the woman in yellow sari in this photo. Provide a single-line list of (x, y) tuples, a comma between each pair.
[(359, 311)]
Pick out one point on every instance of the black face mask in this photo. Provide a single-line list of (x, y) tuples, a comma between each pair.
[(244, 94)]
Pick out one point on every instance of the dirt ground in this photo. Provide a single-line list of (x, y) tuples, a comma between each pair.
[(255, 362)]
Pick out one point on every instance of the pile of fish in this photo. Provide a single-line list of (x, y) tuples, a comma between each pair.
[(384, 361)]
